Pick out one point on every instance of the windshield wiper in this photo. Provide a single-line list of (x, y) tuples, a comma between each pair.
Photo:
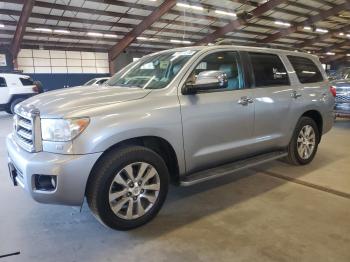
[(126, 85)]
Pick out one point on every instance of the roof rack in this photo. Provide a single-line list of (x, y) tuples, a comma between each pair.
[(275, 46)]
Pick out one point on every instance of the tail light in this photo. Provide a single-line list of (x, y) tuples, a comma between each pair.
[(333, 90), (35, 89)]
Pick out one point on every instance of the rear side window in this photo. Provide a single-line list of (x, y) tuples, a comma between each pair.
[(2, 82), (26, 81), (268, 70), (305, 69)]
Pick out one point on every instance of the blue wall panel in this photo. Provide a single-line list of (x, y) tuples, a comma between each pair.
[(57, 81)]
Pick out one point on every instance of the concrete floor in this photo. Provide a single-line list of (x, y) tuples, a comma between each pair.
[(252, 216)]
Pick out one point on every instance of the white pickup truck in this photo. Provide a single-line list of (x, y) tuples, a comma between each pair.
[(15, 88)]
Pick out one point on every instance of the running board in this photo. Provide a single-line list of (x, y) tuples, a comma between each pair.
[(230, 168)]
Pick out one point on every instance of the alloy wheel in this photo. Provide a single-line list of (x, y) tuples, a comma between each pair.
[(306, 142), (134, 190)]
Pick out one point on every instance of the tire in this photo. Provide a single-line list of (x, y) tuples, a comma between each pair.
[(8, 110), (110, 177), (296, 157), (13, 104)]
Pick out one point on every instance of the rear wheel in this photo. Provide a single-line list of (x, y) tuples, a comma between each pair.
[(303, 146), (128, 187)]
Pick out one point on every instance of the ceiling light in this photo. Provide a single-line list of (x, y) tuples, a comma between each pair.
[(282, 23), (195, 7), (320, 30), (225, 13), (60, 31), (307, 28), (2, 25), (341, 34), (43, 29), (142, 38), (330, 53), (348, 35), (347, 54), (110, 35), (180, 41), (309, 52), (94, 34)]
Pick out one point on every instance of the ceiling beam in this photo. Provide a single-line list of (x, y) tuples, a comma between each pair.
[(323, 37), (336, 46), (333, 58), (140, 28), (236, 24), (125, 25), (29, 44), (313, 19), (21, 27), (114, 14)]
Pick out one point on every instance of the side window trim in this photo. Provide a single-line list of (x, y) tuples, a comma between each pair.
[(247, 69), (252, 75)]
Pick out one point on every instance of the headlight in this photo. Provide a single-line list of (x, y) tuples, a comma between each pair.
[(62, 130)]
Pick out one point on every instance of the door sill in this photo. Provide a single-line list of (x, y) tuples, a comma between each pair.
[(230, 168)]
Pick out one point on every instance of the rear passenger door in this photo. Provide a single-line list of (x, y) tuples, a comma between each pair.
[(272, 91)]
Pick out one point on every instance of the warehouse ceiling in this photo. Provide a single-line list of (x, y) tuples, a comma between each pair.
[(317, 26)]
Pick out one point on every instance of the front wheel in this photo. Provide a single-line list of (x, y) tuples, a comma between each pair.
[(13, 104), (303, 146), (128, 187)]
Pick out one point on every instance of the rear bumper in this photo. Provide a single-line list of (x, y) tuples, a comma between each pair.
[(71, 171)]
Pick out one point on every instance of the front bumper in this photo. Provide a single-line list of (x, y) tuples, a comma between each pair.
[(342, 109), (71, 171)]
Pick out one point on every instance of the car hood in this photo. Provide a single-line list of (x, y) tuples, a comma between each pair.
[(77, 101)]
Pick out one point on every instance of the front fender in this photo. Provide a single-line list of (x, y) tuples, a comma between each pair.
[(156, 118)]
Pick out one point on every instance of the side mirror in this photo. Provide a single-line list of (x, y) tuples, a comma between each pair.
[(206, 80)]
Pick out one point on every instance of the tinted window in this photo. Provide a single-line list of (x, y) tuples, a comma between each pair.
[(101, 81), (2, 82), (26, 81), (305, 69), (225, 62), (268, 70)]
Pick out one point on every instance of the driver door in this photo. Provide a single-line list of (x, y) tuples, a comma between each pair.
[(217, 127)]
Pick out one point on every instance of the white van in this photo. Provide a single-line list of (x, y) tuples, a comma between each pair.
[(15, 88)]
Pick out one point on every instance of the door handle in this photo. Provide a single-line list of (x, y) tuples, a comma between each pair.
[(245, 100), (295, 94)]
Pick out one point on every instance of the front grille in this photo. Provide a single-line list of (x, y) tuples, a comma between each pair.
[(27, 129), (342, 98)]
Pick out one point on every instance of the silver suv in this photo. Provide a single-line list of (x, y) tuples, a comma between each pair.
[(183, 116)]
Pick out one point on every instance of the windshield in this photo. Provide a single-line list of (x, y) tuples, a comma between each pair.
[(90, 82), (153, 72)]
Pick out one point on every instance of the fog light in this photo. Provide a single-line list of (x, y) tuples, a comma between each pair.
[(45, 183)]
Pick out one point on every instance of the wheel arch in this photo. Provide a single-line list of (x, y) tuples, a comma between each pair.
[(157, 144), (317, 117)]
